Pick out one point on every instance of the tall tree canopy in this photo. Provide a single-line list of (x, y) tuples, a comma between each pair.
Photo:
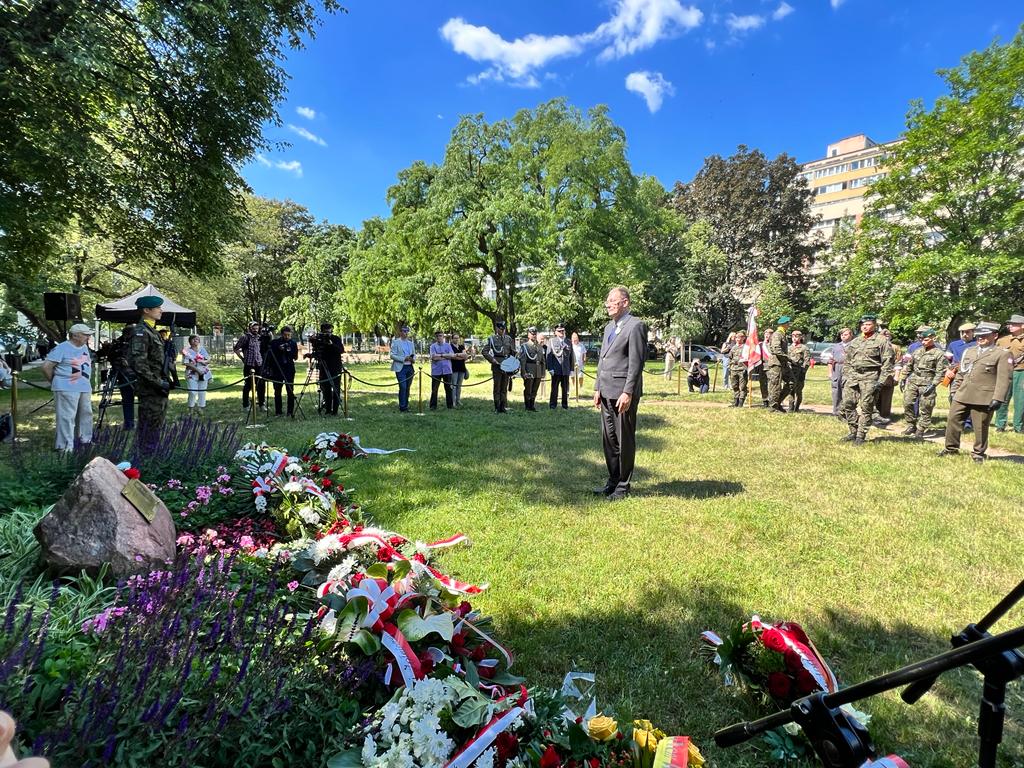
[(540, 209), (759, 216), (946, 225), (131, 118)]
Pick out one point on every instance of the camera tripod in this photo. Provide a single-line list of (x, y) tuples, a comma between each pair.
[(110, 386), (314, 365)]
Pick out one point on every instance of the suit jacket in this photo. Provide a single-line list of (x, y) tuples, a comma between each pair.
[(621, 365), (988, 376)]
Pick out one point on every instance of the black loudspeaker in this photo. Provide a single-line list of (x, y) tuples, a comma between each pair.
[(62, 306)]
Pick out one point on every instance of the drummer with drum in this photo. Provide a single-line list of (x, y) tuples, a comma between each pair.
[(499, 351)]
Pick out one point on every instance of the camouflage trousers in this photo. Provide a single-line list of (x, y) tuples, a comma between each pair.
[(859, 397), (152, 411), (779, 385), (914, 394), (738, 382)]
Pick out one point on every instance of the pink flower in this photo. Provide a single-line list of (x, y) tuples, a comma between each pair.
[(246, 542), (292, 586)]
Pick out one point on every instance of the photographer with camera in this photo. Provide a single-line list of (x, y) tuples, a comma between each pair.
[(282, 355), (326, 349), (116, 354), (248, 349)]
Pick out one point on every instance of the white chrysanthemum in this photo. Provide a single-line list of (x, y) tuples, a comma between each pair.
[(293, 469), (293, 486), (326, 547), (486, 760), (330, 455), (369, 752), (390, 713), (261, 503), (309, 515), (342, 569)]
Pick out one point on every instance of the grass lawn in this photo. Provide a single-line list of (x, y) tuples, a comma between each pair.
[(880, 552)]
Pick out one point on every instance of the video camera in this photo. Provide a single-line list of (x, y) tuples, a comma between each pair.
[(266, 332)]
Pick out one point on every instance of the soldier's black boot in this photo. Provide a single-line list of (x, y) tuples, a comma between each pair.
[(910, 430), (848, 438)]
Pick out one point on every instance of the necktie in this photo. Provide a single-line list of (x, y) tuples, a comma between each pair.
[(612, 332)]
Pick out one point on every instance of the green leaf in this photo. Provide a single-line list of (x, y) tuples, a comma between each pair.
[(414, 627), (472, 712), (367, 642), (350, 758), (377, 571)]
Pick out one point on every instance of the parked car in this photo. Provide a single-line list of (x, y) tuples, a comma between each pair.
[(821, 352), (703, 353)]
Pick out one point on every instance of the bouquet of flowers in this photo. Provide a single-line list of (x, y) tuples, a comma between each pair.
[(334, 445)]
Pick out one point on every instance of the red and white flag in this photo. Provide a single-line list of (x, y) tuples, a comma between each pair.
[(751, 354)]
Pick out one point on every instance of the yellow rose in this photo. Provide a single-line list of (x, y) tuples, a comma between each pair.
[(646, 740), (696, 759), (601, 728), (644, 725)]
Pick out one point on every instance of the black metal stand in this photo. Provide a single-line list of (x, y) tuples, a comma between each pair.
[(841, 742)]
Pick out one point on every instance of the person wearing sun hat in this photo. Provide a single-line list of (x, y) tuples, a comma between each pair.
[(780, 372), (146, 357), (68, 368), (985, 376), (870, 360), (922, 375), (1014, 344)]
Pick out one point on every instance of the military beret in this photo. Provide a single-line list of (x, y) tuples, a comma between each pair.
[(868, 318), (1016, 319), (149, 302), (986, 328), (927, 332), (785, 320), (966, 327)]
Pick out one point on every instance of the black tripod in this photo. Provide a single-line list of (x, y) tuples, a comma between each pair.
[(314, 364), (116, 378), (842, 742)]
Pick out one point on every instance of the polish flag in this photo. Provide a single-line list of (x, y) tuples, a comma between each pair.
[(751, 354)]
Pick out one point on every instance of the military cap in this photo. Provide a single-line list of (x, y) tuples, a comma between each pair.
[(561, 327), (966, 327), (785, 320), (149, 302), (868, 318), (985, 328), (1016, 319), (499, 323), (532, 329), (926, 332)]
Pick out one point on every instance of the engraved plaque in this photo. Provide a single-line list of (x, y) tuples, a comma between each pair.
[(140, 497)]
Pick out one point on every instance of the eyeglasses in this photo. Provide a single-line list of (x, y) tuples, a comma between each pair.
[(614, 303)]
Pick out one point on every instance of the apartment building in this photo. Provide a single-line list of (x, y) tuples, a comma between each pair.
[(840, 180)]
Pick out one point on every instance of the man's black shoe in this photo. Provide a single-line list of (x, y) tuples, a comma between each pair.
[(978, 459), (910, 430), (617, 496), (848, 438), (604, 490), (944, 452)]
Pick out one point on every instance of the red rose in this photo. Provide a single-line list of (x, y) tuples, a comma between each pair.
[(507, 746), (779, 685), (805, 682), (478, 654), (305, 457), (595, 763), (357, 577), (329, 472), (132, 473), (773, 640), (427, 663), (550, 758), (326, 482), (384, 554), (464, 608), (396, 541), (793, 661), (487, 672), (315, 468)]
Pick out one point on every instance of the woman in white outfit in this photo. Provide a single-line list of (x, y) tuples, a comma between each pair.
[(68, 368), (579, 356), (197, 371)]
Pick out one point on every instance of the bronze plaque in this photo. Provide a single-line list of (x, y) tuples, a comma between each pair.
[(140, 497)]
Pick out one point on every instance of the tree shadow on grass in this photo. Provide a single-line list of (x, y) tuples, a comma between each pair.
[(648, 664), (694, 489)]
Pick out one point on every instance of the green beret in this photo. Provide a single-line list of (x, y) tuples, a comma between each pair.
[(785, 320), (148, 302), (868, 318), (927, 332)]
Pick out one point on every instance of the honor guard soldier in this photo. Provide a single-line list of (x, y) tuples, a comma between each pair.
[(531, 358), (922, 375), (800, 361), (498, 348), (870, 360), (738, 370), (147, 360), (780, 371), (984, 379)]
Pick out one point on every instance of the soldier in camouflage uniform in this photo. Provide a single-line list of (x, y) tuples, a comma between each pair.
[(738, 370), (780, 372), (800, 362), (922, 374), (146, 358), (869, 362)]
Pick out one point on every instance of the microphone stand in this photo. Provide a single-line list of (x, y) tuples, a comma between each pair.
[(842, 742)]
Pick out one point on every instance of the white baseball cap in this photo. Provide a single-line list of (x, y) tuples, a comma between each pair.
[(80, 328)]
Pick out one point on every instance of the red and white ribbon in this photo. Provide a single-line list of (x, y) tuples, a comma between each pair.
[(396, 644), (476, 746), (451, 541)]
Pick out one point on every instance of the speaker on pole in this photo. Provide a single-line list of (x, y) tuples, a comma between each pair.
[(62, 306)]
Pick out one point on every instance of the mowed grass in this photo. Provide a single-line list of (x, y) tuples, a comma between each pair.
[(880, 552)]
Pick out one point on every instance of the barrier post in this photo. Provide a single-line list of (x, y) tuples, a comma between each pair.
[(576, 384), (679, 379), (714, 381), (344, 396), (420, 387), (14, 405)]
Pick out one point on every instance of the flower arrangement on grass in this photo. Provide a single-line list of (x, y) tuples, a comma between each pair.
[(330, 446)]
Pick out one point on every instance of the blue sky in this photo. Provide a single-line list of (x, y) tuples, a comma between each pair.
[(384, 84)]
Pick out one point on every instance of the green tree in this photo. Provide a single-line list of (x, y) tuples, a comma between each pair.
[(950, 208), (704, 304), (315, 278), (131, 120), (760, 218), (542, 202)]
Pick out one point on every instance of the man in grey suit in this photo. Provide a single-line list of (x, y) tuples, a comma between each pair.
[(617, 391)]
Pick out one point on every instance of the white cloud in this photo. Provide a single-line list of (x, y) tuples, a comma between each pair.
[(652, 86), (292, 166), (262, 160), (639, 24), (310, 114), (782, 11), (633, 26), (836, 3), (513, 60), (307, 135), (740, 24)]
